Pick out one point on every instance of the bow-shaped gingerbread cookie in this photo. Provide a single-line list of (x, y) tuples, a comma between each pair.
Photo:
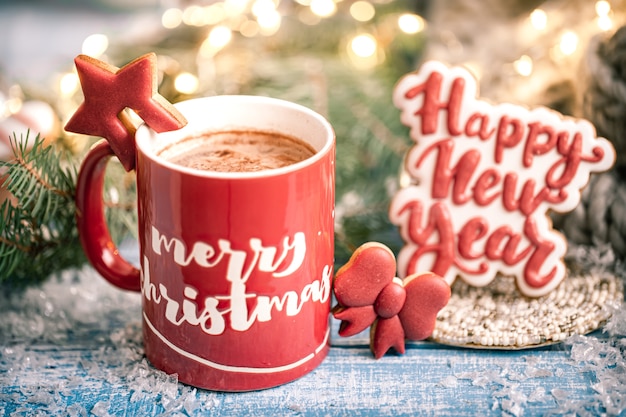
[(369, 294)]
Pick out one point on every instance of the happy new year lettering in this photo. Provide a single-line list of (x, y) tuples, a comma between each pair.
[(533, 136), (433, 103), (462, 183), (484, 177), (450, 252)]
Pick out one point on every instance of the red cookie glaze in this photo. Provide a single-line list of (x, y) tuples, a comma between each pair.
[(426, 293), (483, 179), (390, 300), (108, 91), (385, 334), (354, 319), (369, 295), (369, 270)]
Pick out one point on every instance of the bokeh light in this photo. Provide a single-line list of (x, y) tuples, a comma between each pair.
[(411, 23), (186, 83), (323, 8), (539, 19), (362, 11), (95, 45)]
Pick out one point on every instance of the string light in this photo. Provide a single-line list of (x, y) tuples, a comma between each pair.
[(186, 83), (362, 11), (323, 8), (234, 7), (363, 45), (411, 23), (193, 15), (252, 18), (269, 22), (603, 10), (605, 23), (524, 65), (215, 13), (172, 18), (267, 16), (95, 45), (11, 106), (223, 19), (249, 28), (260, 7), (363, 51), (539, 19), (68, 84), (218, 38), (307, 17), (13, 103), (568, 43)]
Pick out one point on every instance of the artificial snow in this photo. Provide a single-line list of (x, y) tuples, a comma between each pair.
[(75, 306), (78, 307)]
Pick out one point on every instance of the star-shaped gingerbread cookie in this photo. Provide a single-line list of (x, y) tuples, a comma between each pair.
[(108, 91)]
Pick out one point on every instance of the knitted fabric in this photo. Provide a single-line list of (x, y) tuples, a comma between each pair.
[(600, 218)]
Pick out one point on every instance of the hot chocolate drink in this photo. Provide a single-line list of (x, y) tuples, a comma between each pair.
[(238, 151)]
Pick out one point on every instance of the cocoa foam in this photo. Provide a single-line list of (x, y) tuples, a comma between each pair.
[(238, 151)]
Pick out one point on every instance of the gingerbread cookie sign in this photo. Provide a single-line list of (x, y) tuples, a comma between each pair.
[(484, 177)]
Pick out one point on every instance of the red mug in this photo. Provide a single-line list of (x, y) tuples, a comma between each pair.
[(236, 268)]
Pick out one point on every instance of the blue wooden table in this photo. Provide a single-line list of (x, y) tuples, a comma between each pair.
[(73, 347)]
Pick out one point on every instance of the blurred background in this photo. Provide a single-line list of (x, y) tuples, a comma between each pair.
[(339, 57)]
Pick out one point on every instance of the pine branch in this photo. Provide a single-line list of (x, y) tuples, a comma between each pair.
[(38, 235)]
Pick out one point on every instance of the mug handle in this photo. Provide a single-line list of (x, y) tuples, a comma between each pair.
[(93, 231)]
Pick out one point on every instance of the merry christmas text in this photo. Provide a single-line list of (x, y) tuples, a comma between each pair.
[(211, 312)]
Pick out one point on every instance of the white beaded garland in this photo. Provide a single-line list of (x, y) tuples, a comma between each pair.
[(498, 317)]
